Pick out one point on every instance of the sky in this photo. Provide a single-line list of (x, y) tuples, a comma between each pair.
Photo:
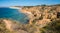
[(27, 2)]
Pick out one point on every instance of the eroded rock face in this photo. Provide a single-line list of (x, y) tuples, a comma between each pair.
[(40, 13)]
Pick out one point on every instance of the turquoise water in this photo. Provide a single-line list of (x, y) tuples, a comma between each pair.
[(13, 14)]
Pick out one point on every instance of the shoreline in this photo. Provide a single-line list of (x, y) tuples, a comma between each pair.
[(15, 7)]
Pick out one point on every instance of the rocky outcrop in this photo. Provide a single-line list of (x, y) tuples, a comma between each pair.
[(41, 14), (10, 26)]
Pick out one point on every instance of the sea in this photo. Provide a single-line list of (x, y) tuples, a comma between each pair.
[(14, 14)]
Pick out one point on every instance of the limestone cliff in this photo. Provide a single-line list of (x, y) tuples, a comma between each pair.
[(41, 15)]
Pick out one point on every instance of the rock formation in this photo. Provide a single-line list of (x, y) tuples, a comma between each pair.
[(41, 14)]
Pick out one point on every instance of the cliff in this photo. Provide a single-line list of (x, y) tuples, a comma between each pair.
[(41, 15)]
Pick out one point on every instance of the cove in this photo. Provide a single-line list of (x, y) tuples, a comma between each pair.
[(14, 14)]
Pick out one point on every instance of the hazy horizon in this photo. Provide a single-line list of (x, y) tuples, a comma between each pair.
[(7, 3)]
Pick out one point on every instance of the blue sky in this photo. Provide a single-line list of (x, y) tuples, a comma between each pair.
[(27, 2)]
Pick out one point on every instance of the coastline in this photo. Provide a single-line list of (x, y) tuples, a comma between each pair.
[(15, 7)]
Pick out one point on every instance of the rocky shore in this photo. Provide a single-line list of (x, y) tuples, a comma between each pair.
[(42, 19), (41, 14)]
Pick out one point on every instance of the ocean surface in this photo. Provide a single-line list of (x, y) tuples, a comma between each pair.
[(13, 14)]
